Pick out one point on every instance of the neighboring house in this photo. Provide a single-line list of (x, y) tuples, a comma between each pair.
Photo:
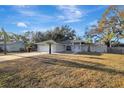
[(74, 46), (13, 46)]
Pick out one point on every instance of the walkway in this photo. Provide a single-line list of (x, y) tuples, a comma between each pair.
[(12, 56)]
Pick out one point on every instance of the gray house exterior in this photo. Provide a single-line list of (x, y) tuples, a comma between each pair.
[(73, 46), (13, 46)]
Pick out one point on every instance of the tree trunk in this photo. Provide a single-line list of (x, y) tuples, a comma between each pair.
[(108, 43), (5, 41)]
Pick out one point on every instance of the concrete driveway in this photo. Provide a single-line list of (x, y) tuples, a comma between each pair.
[(12, 56)]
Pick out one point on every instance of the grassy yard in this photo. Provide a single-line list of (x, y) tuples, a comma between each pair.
[(64, 70)]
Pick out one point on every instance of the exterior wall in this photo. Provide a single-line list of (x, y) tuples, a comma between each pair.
[(76, 48), (60, 48), (1, 46), (84, 48), (14, 47), (56, 48), (119, 50)]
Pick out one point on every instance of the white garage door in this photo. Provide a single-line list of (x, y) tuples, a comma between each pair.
[(45, 48)]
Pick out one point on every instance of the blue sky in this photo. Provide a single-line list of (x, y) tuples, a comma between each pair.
[(19, 19)]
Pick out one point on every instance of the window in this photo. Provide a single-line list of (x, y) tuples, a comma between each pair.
[(68, 48)]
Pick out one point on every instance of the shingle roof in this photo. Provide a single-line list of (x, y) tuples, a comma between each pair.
[(61, 42), (48, 41)]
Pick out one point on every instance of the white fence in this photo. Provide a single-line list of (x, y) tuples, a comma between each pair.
[(94, 48), (119, 50), (98, 48)]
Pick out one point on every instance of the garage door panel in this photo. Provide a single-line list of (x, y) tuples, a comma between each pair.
[(43, 48)]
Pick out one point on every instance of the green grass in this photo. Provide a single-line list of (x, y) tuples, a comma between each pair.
[(64, 70)]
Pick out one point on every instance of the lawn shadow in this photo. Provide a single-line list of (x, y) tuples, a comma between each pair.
[(96, 58), (53, 59), (83, 53), (82, 64), (73, 63), (90, 53)]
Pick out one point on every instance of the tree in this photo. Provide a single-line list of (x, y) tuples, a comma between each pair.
[(88, 36), (63, 33), (27, 38), (114, 24), (4, 37), (57, 34), (106, 37), (110, 27), (7, 37), (39, 36)]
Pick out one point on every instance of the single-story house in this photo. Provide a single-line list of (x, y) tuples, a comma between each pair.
[(74, 46), (13, 46)]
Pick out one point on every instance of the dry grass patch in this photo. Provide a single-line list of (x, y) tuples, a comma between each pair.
[(64, 70)]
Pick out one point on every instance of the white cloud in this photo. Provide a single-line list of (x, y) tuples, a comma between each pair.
[(96, 9), (21, 6), (39, 28), (72, 20), (32, 12), (95, 22), (70, 13), (25, 10), (27, 13), (21, 24), (74, 13)]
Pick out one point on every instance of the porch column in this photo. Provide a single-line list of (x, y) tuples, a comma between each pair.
[(80, 45), (49, 48)]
